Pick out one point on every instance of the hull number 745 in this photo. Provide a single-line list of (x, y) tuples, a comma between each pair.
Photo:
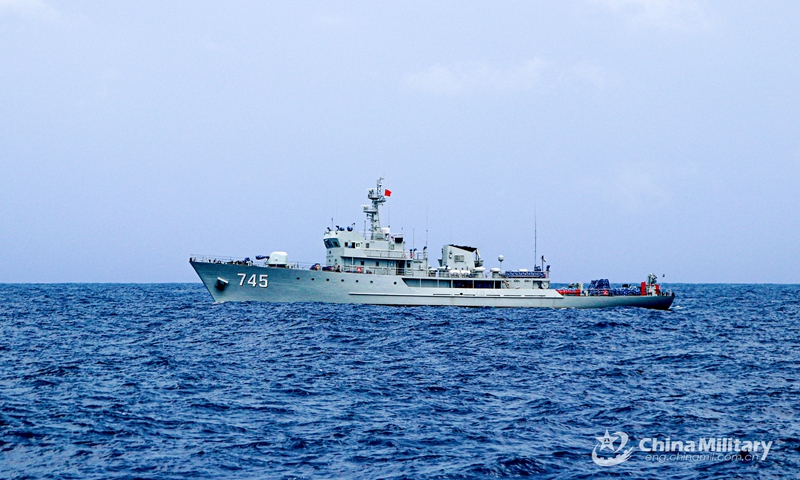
[(262, 280)]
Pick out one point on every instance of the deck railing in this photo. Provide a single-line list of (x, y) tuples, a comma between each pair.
[(365, 269)]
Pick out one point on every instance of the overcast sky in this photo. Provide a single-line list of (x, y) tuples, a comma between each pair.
[(647, 135)]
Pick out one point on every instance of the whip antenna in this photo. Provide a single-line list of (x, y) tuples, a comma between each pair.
[(535, 252)]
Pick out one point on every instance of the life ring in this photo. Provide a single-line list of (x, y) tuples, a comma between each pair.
[(358, 270), (605, 292)]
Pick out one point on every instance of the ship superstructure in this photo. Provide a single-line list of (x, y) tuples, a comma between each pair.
[(375, 267)]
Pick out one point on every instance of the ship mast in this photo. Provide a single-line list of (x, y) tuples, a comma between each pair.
[(377, 197)]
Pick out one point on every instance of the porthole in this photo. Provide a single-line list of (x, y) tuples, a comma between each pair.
[(395, 283), (312, 279), (327, 279), (356, 281), (343, 279)]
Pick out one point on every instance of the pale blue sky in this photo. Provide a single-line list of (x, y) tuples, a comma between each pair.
[(652, 135)]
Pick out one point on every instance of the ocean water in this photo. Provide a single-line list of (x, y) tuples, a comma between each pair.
[(156, 381)]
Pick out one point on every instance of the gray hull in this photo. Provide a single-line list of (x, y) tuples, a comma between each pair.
[(249, 283)]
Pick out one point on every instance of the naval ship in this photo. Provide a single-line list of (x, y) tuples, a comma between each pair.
[(375, 267)]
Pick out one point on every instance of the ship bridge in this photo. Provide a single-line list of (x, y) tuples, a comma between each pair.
[(377, 250)]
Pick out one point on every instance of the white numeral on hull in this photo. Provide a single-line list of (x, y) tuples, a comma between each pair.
[(263, 280)]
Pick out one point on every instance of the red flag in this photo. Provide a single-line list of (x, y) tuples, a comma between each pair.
[(388, 192)]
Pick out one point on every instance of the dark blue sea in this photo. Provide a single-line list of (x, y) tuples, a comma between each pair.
[(156, 381)]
